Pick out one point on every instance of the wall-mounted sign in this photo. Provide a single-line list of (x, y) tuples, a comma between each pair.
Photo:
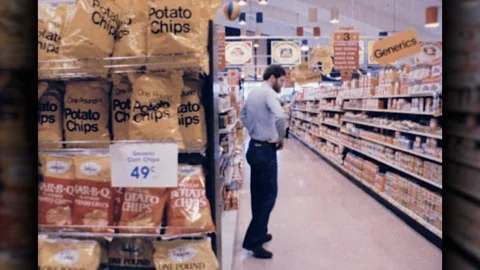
[(346, 48), (430, 51), (396, 47), (238, 52), (286, 52)]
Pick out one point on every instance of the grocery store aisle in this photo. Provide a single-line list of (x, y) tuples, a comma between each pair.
[(322, 221)]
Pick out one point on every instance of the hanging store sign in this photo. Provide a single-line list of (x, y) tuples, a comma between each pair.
[(318, 54), (361, 52), (327, 65), (221, 48), (346, 49), (396, 47), (144, 165), (286, 52), (238, 52)]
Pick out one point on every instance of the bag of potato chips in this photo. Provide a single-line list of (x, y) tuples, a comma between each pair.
[(188, 208), (94, 203), (191, 115), (57, 191), (154, 106), (69, 254), (143, 207), (185, 254)]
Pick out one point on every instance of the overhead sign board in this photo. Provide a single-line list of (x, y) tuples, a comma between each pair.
[(396, 47), (286, 52)]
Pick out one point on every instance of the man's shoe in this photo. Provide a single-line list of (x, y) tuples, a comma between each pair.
[(262, 253), (268, 238)]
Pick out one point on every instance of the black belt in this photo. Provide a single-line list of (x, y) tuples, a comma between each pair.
[(263, 143)]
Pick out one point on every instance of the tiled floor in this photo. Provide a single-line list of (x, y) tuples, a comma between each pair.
[(322, 221)]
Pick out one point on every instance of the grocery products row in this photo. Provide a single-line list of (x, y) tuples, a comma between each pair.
[(77, 190), (418, 80), (397, 192), (125, 253)]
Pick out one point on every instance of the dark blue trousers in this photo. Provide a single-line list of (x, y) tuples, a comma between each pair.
[(262, 158)]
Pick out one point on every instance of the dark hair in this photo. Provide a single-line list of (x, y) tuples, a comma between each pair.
[(276, 70)]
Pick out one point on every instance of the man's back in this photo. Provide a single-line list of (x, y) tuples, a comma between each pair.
[(263, 115)]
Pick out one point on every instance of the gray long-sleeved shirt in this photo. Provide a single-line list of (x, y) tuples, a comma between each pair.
[(263, 116)]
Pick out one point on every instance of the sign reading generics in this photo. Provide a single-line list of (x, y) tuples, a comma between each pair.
[(238, 52), (286, 52), (399, 46)]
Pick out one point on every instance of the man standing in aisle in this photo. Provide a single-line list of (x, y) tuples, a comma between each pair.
[(265, 120)]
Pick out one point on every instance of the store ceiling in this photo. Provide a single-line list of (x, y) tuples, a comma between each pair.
[(369, 16)]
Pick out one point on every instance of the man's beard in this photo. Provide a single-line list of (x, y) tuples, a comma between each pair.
[(277, 87)]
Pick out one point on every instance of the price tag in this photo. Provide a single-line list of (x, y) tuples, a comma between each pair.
[(144, 165)]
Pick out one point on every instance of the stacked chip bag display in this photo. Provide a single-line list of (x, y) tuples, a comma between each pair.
[(154, 106), (191, 115), (94, 202), (57, 190), (185, 254), (86, 114), (188, 208), (50, 117), (142, 210), (89, 33), (121, 106), (131, 253)]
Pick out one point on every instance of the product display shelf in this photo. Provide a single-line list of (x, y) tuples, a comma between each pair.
[(73, 69), (430, 135), (229, 128), (394, 166), (338, 110), (390, 201), (396, 147), (97, 68), (393, 111), (413, 95), (307, 111)]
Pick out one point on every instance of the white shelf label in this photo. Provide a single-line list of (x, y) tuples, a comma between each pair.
[(144, 165)]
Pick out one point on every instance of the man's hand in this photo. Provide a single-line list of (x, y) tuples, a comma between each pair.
[(280, 145)]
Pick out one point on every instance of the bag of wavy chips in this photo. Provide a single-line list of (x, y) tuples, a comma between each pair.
[(175, 28), (86, 113), (188, 208), (131, 253), (57, 190), (94, 203), (89, 32), (121, 106), (143, 207), (154, 107), (191, 115), (131, 38), (50, 119), (69, 254), (185, 254)]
